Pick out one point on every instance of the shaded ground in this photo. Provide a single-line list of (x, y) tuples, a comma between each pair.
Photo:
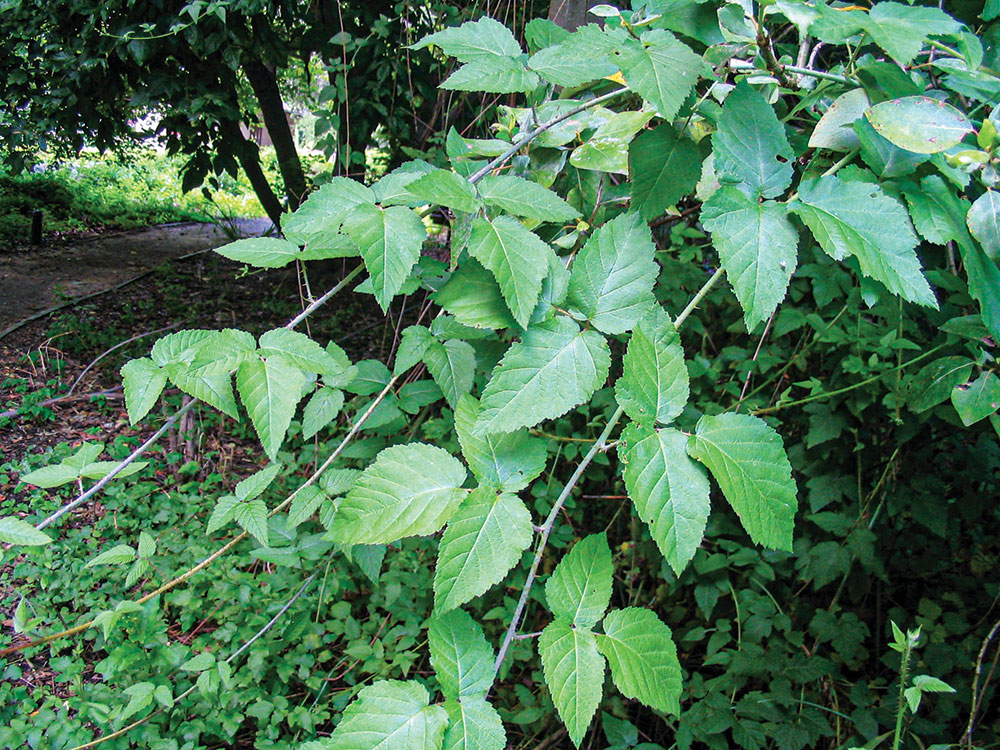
[(36, 278)]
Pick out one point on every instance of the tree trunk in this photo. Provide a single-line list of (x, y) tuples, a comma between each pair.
[(265, 88), (570, 14), (249, 158)]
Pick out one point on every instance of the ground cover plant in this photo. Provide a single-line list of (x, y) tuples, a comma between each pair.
[(692, 441)]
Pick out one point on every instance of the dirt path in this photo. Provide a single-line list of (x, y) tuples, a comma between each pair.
[(38, 278)]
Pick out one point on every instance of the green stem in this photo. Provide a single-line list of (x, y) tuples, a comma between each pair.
[(819, 396), (744, 66), (904, 673)]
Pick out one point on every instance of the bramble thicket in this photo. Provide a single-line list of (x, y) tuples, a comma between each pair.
[(689, 439)]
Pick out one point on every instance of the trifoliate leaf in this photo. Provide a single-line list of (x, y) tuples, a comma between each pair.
[(747, 459), (554, 367), (390, 715), (579, 589), (757, 247), (143, 382), (21, 533), (574, 673), (612, 278), (483, 541), (654, 382), (509, 461), (460, 655), (270, 391), (664, 167), (516, 258), (669, 490), (390, 240), (643, 658), (409, 490), (856, 218), (750, 147)]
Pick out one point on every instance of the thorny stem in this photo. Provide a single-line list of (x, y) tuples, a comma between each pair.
[(599, 446)]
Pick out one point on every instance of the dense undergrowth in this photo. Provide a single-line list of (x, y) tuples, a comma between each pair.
[(836, 588)]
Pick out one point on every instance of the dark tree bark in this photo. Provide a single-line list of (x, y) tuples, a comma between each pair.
[(570, 14), (248, 156), (265, 88)]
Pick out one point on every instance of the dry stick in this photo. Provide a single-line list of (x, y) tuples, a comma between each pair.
[(546, 528), (110, 393), (271, 623), (89, 367), (977, 695), (233, 542)]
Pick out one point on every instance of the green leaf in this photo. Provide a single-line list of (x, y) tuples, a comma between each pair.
[(978, 399), (444, 188), (516, 258), (574, 672), (474, 298), (257, 482), (521, 197), (391, 189), (143, 382), (483, 541), (390, 240), (984, 284), (147, 545), (270, 390), (222, 513), (321, 410), (306, 502), (919, 123), (390, 715), (140, 696), (835, 129), (497, 75), (54, 475), (509, 460), (748, 144), (654, 382), (934, 383), (747, 459), (579, 589), (199, 662), (412, 346), (86, 454), (474, 40), (664, 167), (857, 218), (261, 252), (20, 533), (928, 684), (117, 555), (214, 389), (902, 30), (299, 350), (554, 367), (100, 469), (252, 518), (568, 65), (936, 211), (660, 69), (670, 491), (757, 247), (983, 220), (473, 724), (409, 490), (452, 364), (460, 655), (181, 347), (324, 211), (643, 659), (884, 158), (612, 278), (607, 149)]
